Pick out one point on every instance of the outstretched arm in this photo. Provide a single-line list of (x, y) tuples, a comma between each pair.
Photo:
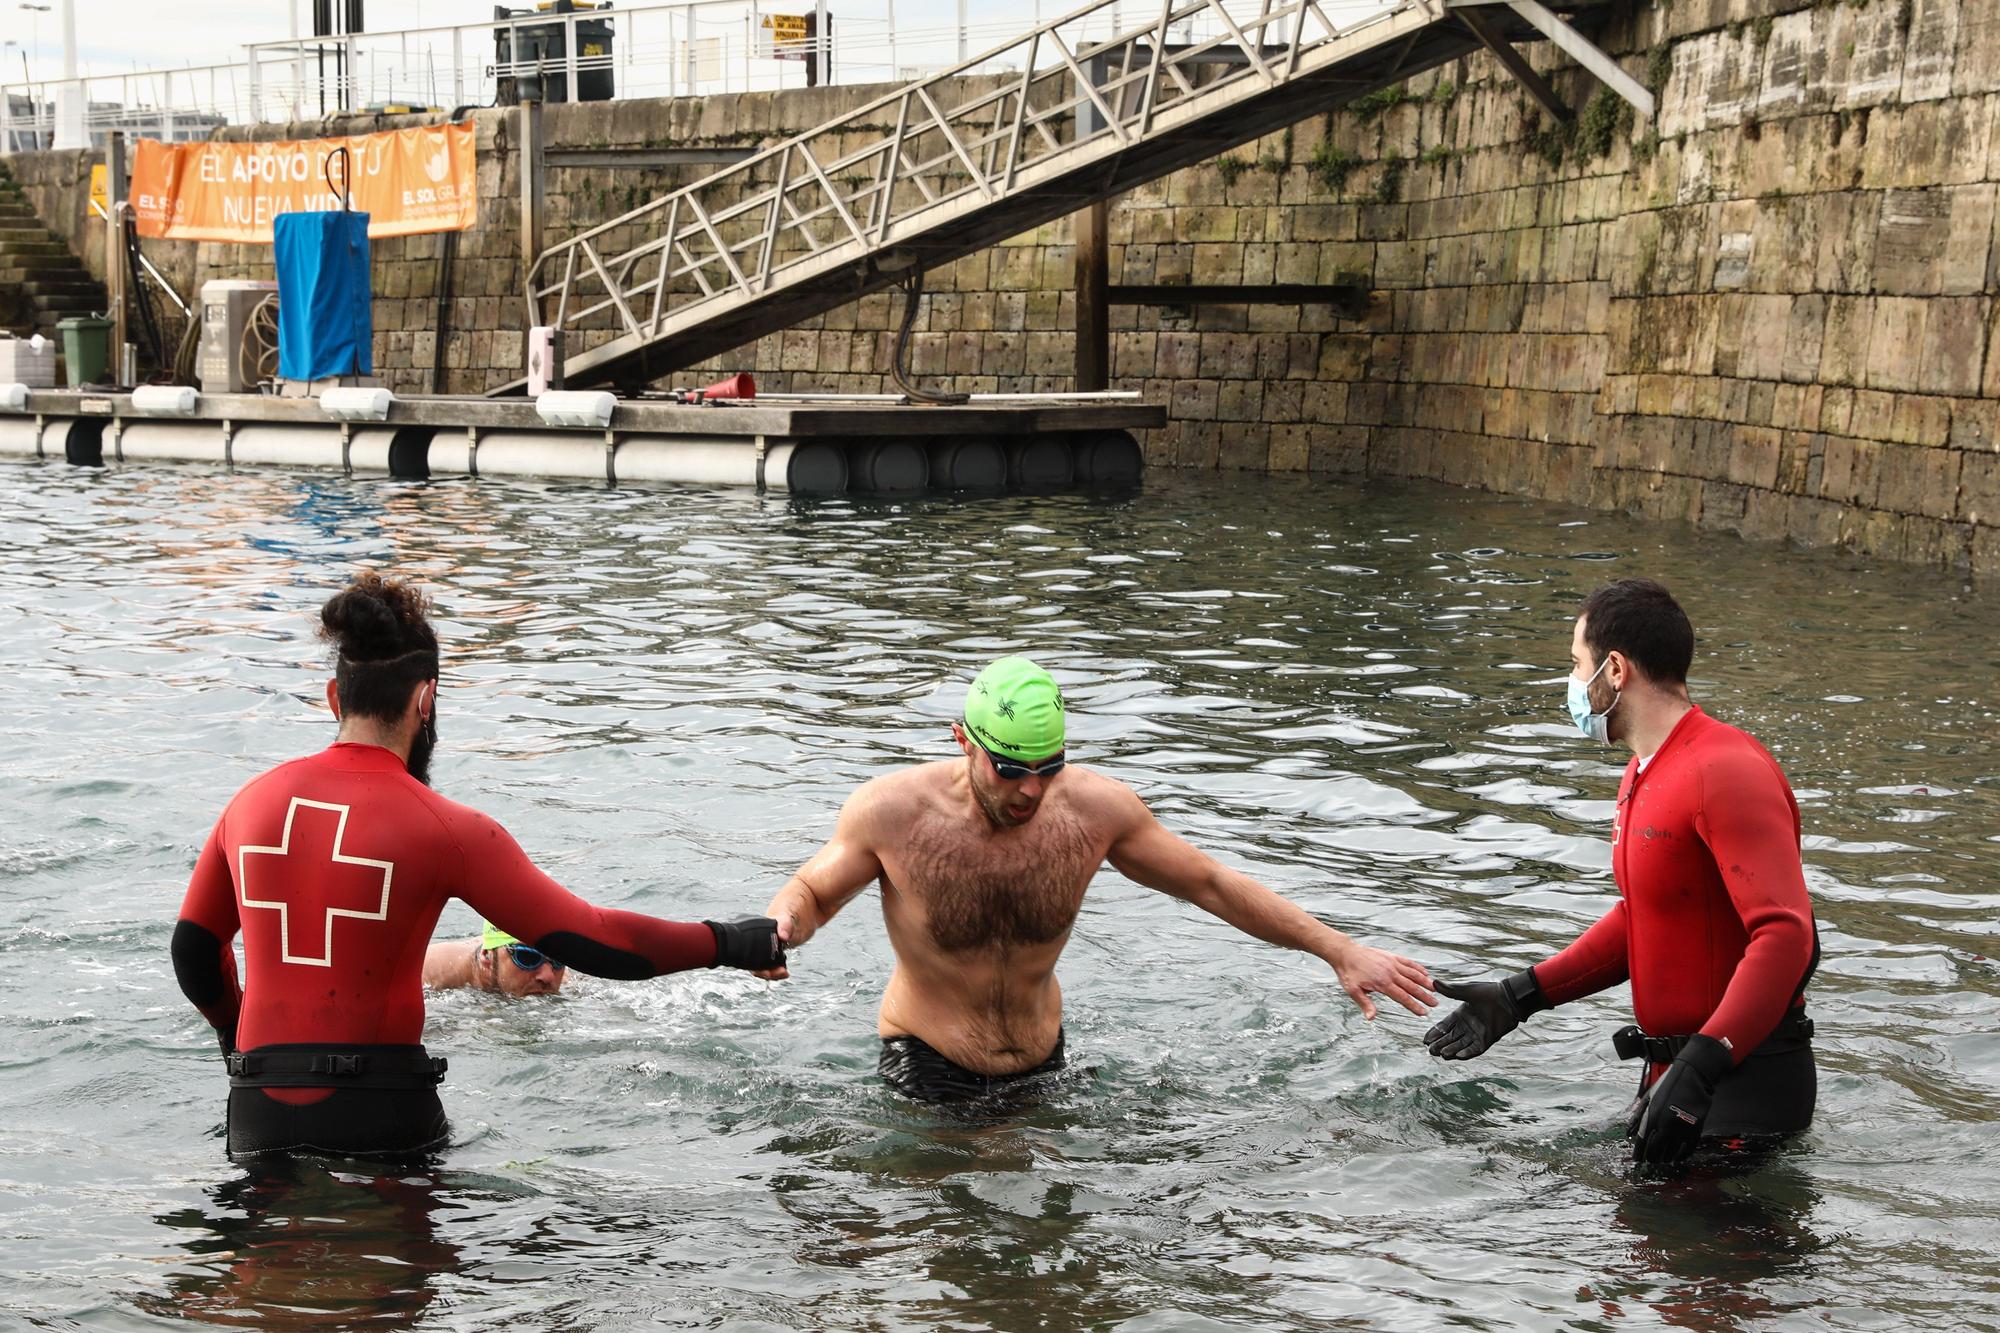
[(508, 889), (1147, 853), (1492, 1009), (834, 877)]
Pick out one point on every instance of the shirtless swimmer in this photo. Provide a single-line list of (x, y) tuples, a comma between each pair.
[(984, 864)]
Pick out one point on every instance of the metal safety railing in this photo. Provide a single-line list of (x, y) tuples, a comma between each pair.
[(934, 150), (696, 47)]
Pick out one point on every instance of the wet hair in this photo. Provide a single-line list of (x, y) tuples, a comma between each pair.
[(383, 644), (1640, 619)]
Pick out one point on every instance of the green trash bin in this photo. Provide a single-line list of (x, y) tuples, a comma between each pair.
[(86, 343)]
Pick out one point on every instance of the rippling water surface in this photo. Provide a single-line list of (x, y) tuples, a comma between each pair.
[(1354, 692)]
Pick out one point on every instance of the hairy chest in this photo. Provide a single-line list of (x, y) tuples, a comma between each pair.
[(978, 890)]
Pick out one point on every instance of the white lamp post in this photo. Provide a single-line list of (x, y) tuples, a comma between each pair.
[(35, 13), (70, 100)]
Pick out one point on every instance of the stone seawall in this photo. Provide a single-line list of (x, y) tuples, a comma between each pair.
[(1770, 312)]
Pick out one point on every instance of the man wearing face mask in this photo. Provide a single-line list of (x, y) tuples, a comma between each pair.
[(1713, 926), (334, 868)]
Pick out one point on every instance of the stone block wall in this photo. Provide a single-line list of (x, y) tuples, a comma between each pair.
[(1769, 311)]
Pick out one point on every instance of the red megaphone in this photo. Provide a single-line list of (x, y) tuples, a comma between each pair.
[(736, 386)]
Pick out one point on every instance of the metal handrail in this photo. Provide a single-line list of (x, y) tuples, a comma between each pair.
[(661, 48), (805, 204)]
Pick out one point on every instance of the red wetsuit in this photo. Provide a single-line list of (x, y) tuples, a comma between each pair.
[(335, 868), (1713, 927)]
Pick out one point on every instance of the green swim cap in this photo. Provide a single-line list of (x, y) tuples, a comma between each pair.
[(494, 938), (1015, 710)]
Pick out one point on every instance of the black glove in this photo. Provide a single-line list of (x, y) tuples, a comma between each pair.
[(1490, 1011), (1666, 1122), (226, 1038), (749, 942)]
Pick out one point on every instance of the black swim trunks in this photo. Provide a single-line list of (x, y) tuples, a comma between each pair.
[(1764, 1100), (384, 1102), (1770, 1095), (354, 1122), (913, 1067)]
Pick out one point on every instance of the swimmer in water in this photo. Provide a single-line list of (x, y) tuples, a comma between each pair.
[(334, 868), (1713, 926), (983, 862), (492, 960)]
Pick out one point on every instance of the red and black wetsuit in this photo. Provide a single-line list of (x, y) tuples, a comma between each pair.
[(335, 868), (1713, 926)]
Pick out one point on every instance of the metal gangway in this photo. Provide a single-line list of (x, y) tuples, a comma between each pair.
[(953, 163)]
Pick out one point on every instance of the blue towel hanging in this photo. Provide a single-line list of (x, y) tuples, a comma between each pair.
[(325, 324)]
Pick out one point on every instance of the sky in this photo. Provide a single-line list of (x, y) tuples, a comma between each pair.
[(115, 36), (118, 37)]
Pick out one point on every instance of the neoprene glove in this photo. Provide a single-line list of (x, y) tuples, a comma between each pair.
[(1666, 1122), (1490, 1010), (749, 942)]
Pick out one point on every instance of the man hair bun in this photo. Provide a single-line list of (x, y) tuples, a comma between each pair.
[(375, 619)]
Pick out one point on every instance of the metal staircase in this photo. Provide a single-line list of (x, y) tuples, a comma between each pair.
[(953, 163)]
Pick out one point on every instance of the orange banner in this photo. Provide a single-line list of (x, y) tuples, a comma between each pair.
[(407, 181)]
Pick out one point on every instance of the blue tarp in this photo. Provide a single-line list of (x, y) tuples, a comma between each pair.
[(325, 327)]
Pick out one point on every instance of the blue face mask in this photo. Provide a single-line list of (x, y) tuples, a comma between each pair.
[(1597, 726)]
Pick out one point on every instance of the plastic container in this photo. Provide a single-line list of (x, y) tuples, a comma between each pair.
[(86, 341), (29, 361)]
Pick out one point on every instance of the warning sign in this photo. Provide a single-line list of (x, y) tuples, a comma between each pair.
[(100, 197), (786, 35)]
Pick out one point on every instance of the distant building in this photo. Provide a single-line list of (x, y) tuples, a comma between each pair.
[(24, 127), (29, 124), (146, 122)]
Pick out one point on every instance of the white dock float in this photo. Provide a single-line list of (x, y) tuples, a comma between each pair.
[(812, 446)]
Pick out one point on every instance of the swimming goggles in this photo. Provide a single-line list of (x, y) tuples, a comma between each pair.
[(1014, 772), (529, 959)]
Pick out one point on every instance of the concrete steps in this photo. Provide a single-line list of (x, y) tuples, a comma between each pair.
[(12, 252), (41, 282)]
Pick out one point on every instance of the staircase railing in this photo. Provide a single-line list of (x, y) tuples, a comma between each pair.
[(927, 152)]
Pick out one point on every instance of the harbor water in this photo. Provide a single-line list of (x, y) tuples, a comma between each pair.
[(1353, 691)]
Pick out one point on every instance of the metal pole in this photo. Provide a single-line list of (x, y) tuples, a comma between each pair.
[(256, 106), (687, 56), (823, 42), (166, 106), (114, 248), (962, 48), (531, 204), (457, 67), (569, 53), (896, 65), (298, 59), (1093, 315)]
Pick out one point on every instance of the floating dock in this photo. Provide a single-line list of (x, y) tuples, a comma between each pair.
[(807, 445)]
